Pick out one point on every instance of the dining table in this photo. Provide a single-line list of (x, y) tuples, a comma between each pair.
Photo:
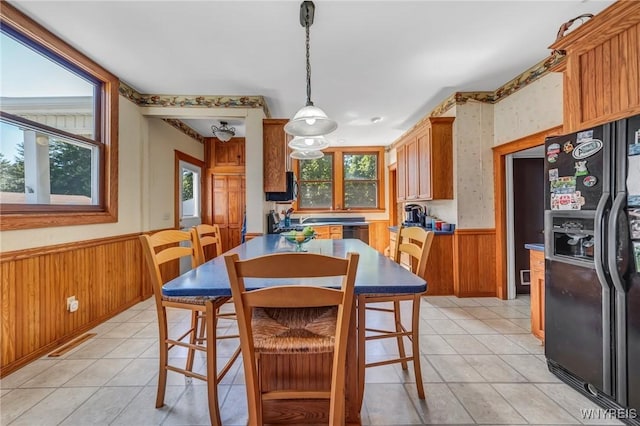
[(376, 274)]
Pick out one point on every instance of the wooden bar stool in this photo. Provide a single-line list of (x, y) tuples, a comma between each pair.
[(415, 242)]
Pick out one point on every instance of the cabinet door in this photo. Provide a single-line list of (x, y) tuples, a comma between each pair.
[(424, 164), (412, 170), (401, 173), (275, 155), (228, 207), (229, 153)]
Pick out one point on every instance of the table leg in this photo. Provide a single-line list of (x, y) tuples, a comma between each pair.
[(352, 392)]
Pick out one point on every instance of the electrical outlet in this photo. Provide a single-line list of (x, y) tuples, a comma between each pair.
[(70, 303)]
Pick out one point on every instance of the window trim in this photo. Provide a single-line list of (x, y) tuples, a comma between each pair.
[(338, 180), (107, 135)]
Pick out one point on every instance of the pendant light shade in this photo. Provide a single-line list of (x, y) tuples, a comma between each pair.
[(306, 155), (309, 120), (310, 143)]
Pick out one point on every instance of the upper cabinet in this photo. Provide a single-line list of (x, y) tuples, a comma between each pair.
[(226, 156), (275, 154), (425, 161), (602, 68)]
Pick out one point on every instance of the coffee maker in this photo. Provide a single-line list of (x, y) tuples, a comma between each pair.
[(413, 215)]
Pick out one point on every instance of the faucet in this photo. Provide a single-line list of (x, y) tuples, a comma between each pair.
[(304, 219)]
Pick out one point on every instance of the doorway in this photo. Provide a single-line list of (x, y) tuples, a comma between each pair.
[(525, 224), (187, 196)]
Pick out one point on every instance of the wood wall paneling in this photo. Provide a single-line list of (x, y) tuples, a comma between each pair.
[(439, 270), (107, 276), (474, 255), (602, 71)]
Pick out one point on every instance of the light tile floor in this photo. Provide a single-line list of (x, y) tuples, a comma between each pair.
[(480, 364)]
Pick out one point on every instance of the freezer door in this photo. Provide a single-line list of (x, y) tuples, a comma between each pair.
[(577, 169)]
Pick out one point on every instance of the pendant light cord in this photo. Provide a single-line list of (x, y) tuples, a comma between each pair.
[(309, 103)]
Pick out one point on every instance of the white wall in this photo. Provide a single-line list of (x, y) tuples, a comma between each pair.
[(530, 110), (159, 196)]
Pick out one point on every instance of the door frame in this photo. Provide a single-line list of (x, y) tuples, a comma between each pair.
[(500, 198), (393, 194), (177, 199)]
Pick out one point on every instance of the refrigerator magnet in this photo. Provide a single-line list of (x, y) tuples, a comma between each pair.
[(581, 168), (552, 158), (554, 148), (589, 181), (634, 148), (567, 147), (553, 174), (634, 227), (587, 149), (636, 255), (585, 136)]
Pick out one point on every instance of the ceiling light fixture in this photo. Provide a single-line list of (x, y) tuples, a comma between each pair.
[(223, 132), (309, 143), (306, 155), (309, 120)]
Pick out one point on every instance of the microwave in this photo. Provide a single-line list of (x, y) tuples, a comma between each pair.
[(290, 194)]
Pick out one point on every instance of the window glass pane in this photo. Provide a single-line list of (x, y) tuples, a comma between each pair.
[(38, 168), (316, 183), (361, 166), (188, 193), (39, 89), (315, 195), (360, 194)]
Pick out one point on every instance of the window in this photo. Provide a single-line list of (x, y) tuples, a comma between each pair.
[(344, 179), (58, 127)]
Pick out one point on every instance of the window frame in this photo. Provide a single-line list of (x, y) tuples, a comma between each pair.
[(337, 198), (24, 216)]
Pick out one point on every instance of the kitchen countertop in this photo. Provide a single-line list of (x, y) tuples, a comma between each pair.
[(534, 246), (395, 229), (322, 221)]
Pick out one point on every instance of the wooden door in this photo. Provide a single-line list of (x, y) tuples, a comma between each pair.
[(228, 207), (528, 212)]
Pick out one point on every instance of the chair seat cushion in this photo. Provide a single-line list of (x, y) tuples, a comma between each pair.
[(195, 300), (294, 330)]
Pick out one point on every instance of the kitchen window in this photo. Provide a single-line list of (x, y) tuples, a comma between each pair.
[(58, 125), (344, 179)]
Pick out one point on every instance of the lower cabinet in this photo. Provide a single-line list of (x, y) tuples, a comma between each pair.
[(439, 270), (536, 259), (326, 232)]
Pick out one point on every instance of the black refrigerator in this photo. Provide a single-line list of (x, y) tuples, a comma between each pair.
[(592, 251)]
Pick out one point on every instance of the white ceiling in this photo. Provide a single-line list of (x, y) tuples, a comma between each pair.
[(391, 59)]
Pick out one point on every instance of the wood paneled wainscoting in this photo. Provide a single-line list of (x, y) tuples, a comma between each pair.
[(474, 262), (106, 275)]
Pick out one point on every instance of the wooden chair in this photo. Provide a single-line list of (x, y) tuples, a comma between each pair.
[(416, 242), (289, 321), (208, 245), (160, 249)]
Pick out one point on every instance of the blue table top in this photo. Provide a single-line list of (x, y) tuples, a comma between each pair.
[(534, 246), (376, 273)]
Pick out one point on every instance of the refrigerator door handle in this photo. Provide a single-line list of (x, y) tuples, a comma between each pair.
[(598, 247), (612, 243)]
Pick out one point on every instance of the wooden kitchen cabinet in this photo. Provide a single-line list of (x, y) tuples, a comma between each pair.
[(413, 170), (424, 161), (228, 207), (275, 154), (536, 259), (601, 70), (227, 154), (326, 232), (435, 165), (401, 173)]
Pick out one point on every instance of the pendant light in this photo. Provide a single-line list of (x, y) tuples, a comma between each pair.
[(308, 143), (306, 155), (224, 133), (309, 120)]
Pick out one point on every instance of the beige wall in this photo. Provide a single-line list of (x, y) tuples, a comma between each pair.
[(530, 110), (145, 156), (163, 140)]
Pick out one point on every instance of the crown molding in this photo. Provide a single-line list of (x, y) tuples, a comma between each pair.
[(191, 102)]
